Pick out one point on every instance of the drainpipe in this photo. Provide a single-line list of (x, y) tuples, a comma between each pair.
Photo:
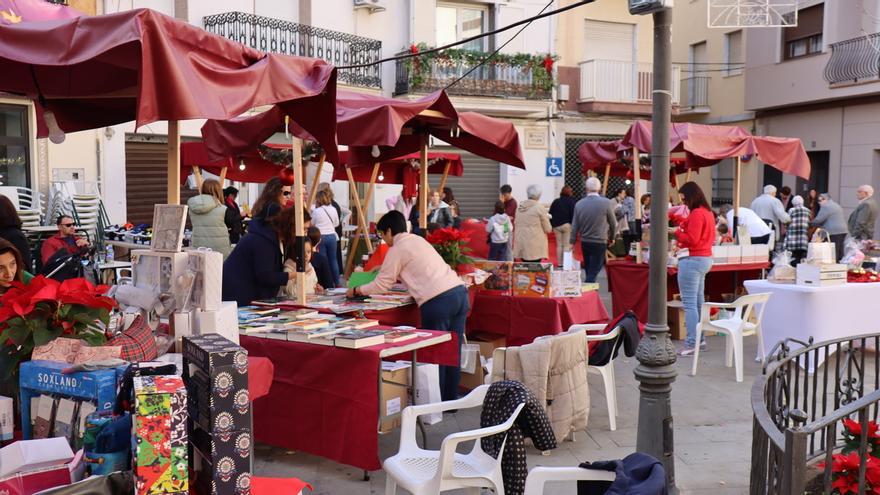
[(412, 21)]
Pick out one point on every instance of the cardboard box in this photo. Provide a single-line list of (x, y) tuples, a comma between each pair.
[(394, 397), (32, 455), (222, 462), (565, 283), (207, 289), (222, 322), (821, 275), (184, 325), (531, 279), (500, 280), (156, 271), (36, 481), (39, 377), (219, 403), (675, 320), (160, 436)]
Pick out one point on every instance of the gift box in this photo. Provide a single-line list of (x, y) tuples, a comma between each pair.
[(219, 403), (821, 275), (207, 289), (184, 325), (160, 435), (565, 283), (223, 321), (45, 377), (31, 455), (214, 351), (222, 462), (531, 279), (157, 271), (500, 280)]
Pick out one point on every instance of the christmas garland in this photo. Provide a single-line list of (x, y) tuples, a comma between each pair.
[(284, 156), (540, 65)]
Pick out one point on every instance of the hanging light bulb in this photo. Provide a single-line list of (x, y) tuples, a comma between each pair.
[(56, 135), (241, 165), (375, 152), (381, 177)]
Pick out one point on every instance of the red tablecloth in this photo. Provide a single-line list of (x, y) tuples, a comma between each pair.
[(324, 400), (628, 283), (478, 242), (260, 374), (522, 319)]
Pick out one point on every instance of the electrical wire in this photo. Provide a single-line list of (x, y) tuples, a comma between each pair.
[(468, 40), (492, 55)]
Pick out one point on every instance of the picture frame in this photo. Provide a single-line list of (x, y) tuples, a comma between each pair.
[(168, 224)]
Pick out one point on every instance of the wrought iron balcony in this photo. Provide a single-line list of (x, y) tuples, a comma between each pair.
[(854, 60), (278, 36), (518, 76), (620, 82), (695, 94)]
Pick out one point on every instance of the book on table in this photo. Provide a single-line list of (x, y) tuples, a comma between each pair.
[(356, 339), (323, 336), (275, 301), (308, 324), (258, 310), (395, 336), (359, 323)]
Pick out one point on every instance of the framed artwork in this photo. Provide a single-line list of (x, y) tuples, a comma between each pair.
[(168, 223)]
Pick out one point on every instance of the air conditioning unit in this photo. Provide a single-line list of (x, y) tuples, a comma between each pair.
[(373, 5), (562, 92)]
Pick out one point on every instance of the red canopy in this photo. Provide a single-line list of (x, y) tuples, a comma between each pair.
[(145, 66), (395, 171), (258, 170), (17, 11), (785, 154), (624, 169)]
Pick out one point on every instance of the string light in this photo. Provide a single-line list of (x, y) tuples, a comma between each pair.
[(241, 165), (375, 151)]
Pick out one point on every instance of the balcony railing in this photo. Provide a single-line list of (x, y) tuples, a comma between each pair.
[(621, 82), (854, 60), (278, 36), (500, 79), (695, 93)]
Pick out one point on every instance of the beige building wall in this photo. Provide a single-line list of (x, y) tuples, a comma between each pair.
[(571, 29)]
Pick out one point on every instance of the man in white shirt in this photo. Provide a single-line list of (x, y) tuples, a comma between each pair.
[(758, 229), (769, 208)]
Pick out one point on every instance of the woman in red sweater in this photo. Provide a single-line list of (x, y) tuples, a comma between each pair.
[(696, 234)]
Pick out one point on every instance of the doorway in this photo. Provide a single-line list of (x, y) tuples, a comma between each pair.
[(818, 175)]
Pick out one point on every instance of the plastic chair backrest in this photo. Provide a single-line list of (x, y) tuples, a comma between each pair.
[(746, 304)]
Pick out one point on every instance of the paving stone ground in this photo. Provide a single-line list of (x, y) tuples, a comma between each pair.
[(711, 414)]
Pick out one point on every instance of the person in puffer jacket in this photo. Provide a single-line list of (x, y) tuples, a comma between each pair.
[(207, 212), (499, 228)]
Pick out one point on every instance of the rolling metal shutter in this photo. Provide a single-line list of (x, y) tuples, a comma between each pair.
[(477, 190), (146, 175)]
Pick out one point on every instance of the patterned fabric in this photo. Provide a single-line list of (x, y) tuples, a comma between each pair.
[(501, 400), (138, 343), (796, 233)]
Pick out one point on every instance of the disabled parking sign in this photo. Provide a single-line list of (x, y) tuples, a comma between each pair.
[(554, 166)]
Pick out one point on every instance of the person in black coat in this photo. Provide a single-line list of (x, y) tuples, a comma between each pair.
[(561, 215), (319, 260), (10, 229), (233, 217), (255, 268)]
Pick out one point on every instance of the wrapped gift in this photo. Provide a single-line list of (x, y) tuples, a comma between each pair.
[(207, 288), (223, 321), (160, 436), (565, 283), (158, 271), (531, 279), (500, 278), (212, 352)]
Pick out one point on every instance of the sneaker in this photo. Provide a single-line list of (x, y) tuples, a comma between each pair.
[(689, 351)]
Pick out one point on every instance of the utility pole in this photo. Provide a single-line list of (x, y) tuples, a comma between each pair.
[(656, 370)]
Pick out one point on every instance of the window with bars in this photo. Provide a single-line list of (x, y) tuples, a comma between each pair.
[(574, 174)]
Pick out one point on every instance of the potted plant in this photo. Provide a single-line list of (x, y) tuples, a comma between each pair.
[(845, 465), (450, 244), (45, 309)]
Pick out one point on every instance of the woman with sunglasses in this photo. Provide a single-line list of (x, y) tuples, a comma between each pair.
[(274, 196)]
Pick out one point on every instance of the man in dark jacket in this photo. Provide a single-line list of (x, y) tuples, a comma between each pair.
[(254, 269), (233, 214), (319, 260), (561, 214)]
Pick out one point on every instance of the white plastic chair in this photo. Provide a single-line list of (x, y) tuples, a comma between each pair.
[(429, 472), (734, 329), (541, 475), (607, 371)]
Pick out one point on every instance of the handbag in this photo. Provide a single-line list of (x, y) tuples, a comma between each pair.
[(470, 356), (821, 251)]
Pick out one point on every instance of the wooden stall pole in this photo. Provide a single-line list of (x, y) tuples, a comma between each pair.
[(637, 178), (197, 172), (423, 185), (605, 179), (737, 178), (173, 182), (687, 176), (372, 186), (298, 215), (222, 176), (445, 175), (361, 226), (314, 189)]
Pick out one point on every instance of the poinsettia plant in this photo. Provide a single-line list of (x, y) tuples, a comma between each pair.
[(845, 466), (451, 245), (45, 309)]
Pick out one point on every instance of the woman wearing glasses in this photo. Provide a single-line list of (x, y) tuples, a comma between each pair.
[(271, 200)]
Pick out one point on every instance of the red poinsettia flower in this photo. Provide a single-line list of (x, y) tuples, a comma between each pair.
[(855, 428), (846, 462), (548, 64), (22, 299), (413, 48), (846, 484), (81, 291)]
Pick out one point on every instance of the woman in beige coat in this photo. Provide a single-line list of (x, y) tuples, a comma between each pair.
[(532, 227)]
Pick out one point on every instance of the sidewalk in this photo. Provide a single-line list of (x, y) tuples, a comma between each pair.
[(711, 414)]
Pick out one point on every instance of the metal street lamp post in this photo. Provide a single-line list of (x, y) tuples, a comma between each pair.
[(656, 370)]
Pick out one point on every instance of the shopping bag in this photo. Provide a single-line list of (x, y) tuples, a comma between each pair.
[(470, 356), (427, 390), (821, 250)]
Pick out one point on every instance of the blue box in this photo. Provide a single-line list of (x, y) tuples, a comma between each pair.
[(45, 377)]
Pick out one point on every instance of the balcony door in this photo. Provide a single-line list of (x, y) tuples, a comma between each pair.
[(609, 71), (456, 22)]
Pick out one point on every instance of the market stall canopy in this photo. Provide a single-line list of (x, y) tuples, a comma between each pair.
[(257, 169), (785, 154), (402, 170), (623, 167), (361, 120), (145, 66), (18, 11)]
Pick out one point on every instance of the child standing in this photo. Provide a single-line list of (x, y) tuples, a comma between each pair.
[(499, 229)]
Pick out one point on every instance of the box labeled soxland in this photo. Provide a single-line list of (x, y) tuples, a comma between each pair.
[(160, 436)]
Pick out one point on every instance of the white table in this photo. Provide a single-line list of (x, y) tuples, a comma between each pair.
[(824, 313)]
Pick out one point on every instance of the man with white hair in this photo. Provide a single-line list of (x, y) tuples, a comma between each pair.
[(595, 223), (768, 207), (532, 227), (861, 221)]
